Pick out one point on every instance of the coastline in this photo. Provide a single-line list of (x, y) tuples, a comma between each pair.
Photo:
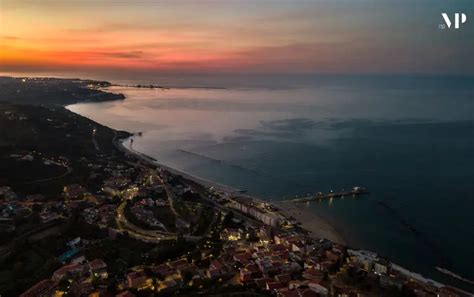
[(316, 226), (310, 221)]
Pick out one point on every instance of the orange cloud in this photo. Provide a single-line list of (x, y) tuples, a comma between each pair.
[(224, 36)]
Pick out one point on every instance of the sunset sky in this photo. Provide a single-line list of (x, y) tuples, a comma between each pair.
[(235, 36)]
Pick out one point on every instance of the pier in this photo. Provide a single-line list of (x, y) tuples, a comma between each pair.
[(356, 191)]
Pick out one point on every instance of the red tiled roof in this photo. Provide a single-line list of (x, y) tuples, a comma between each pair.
[(125, 294), (278, 248), (97, 264), (274, 285), (136, 274), (312, 273), (178, 262), (245, 275), (262, 282), (187, 267), (243, 257), (252, 267), (283, 278), (38, 288), (216, 265), (67, 268)]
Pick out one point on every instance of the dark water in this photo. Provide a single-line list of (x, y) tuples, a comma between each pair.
[(409, 140)]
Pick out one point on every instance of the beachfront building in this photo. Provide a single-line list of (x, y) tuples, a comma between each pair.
[(249, 208), (365, 259)]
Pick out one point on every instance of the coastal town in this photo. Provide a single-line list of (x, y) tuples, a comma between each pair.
[(109, 221), (237, 243)]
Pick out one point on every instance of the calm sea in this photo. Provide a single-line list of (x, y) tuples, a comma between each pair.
[(408, 139)]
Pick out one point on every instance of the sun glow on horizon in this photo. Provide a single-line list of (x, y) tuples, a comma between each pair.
[(294, 37)]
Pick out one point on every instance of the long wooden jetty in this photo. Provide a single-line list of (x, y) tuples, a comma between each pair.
[(356, 191)]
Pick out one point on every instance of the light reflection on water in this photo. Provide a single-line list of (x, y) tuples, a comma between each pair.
[(409, 146)]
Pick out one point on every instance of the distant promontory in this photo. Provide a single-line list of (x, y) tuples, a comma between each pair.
[(54, 91)]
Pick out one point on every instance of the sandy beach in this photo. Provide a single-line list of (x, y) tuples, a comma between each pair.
[(310, 221), (317, 227)]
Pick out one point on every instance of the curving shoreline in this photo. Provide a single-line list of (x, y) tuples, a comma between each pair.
[(310, 221)]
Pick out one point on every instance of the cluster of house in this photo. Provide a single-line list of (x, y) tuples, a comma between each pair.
[(116, 185), (387, 274), (287, 264), (14, 116), (290, 264), (121, 184), (179, 189), (11, 209), (77, 276), (74, 192), (143, 213), (281, 264), (168, 276), (102, 215), (74, 197), (51, 211)]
